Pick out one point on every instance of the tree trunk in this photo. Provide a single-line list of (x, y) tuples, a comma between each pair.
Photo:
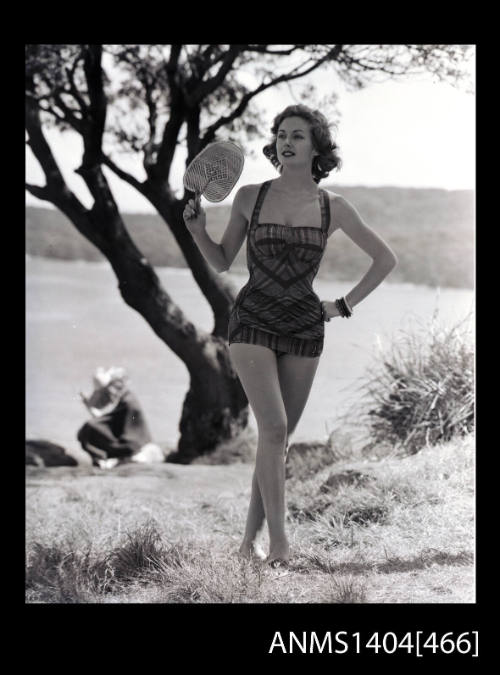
[(215, 407)]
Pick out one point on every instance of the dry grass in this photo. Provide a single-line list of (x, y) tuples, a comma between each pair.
[(398, 529)]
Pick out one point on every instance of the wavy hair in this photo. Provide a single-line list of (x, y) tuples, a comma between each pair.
[(327, 159)]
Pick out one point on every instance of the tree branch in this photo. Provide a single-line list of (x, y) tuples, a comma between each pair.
[(210, 85), (292, 75), (56, 191), (172, 64), (377, 59), (150, 145), (208, 59), (127, 177), (50, 110), (70, 72), (262, 49), (363, 65), (67, 114), (96, 117), (41, 148), (38, 191), (177, 111), (168, 144), (193, 133)]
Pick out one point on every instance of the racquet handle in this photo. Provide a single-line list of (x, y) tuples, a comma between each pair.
[(197, 203)]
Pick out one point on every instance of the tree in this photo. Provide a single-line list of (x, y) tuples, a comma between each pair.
[(168, 95)]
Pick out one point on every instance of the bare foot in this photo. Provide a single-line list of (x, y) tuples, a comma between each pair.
[(279, 555), (278, 563), (252, 551)]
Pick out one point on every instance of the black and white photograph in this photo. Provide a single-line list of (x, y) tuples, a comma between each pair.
[(250, 327)]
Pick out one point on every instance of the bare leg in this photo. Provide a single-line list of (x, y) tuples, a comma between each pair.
[(295, 374), (255, 523), (258, 372)]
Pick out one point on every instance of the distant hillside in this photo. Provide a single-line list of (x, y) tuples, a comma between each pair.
[(431, 231)]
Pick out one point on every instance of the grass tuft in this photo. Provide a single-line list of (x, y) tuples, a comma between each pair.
[(141, 553), (423, 393), (60, 573), (348, 590)]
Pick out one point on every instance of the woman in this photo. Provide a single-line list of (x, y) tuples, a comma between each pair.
[(276, 326)]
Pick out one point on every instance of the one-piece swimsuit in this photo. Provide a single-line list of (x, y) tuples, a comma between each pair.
[(277, 307)]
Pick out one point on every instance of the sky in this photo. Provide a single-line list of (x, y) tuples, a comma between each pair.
[(412, 133)]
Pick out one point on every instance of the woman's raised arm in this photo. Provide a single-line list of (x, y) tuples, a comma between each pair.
[(219, 256)]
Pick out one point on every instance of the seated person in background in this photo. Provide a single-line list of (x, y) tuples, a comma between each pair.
[(117, 431)]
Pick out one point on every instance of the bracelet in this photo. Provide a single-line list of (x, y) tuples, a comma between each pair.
[(348, 310), (343, 308)]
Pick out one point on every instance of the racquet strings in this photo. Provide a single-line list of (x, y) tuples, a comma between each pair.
[(215, 171)]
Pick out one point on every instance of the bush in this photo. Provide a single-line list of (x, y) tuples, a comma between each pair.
[(424, 392)]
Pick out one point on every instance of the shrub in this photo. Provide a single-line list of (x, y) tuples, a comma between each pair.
[(423, 393)]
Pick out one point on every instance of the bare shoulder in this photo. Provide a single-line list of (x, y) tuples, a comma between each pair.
[(333, 196), (247, 192), (347, 215), (336, 202), (245, 198)]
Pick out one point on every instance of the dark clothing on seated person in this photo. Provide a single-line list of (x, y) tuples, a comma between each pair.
[(120, 433)]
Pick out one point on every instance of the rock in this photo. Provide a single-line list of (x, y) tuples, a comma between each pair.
[(307, 458), (32, 459), (303, 447), (41, 452), (348, 477), (241, 448)]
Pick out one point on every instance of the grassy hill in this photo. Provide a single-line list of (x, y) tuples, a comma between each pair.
[(431, 231), (393, 530)]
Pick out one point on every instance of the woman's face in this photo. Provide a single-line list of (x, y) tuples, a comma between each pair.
[(294, 143)]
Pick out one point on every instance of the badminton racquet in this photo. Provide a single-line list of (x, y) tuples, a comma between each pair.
[(214, 171)]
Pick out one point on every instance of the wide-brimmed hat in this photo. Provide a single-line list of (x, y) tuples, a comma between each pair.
[(113, 375)]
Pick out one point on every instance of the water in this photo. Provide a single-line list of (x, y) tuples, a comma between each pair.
[(76, 320)]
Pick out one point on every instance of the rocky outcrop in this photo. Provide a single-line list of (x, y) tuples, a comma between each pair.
[(40, 452), (348, 477)]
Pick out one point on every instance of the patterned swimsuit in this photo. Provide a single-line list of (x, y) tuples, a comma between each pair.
[(277, 307)]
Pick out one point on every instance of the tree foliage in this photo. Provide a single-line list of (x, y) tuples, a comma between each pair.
[(155, 92)]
